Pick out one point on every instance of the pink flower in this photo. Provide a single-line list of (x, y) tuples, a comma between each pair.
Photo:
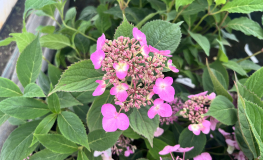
[(112, 120), (239, 156), (211, 96), (128, 152), (160, 108), (138, 35), (197, 128), (186, 149), (213, 122), (152, 49), (169, 149), (120, 91), (159, 131), (145, 51), (171, 67), (97, 58), (199, 94), (119, 103), (203, 156), (121, 69), (225, 134), (150, 95), (100, 89), (163, 87), (231, 145), (101, 42), (162, 52)]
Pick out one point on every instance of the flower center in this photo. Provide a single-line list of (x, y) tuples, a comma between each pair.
[(163, 86), (120, 88), (121, 66), (157, 107)]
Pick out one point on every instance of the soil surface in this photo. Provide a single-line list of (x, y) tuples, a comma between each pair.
[(13, 24)]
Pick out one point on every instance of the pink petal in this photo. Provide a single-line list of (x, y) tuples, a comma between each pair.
[(172, 68), (157, 89), (145, 51), (169, 62), (159, 81), (152, 49), (159, 131), (187, 149), (121, 74), (119, 103), (199, 94), (108, 110), (101, 42), (150, 95), (114, 90), (167, 94), (152, 112), (123, 121), (194, 128), (99, 91), (122, 95), (203, 156), (138, 35), (125, 86), (166, 150), (206, 127), (223, 132), (230, 142), (165, 110), (127, 153), (115, 65), (168, 81), (158, 101), (213, 122), (211, 96), (165, 53), (97, 58), (109, 124)]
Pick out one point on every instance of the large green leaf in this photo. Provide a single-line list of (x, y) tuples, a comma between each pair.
[(29, 63), (57, 143), (71, 14), (94, 116), (79, 77), (235, 67), (179, 3), (72, 128), (8, 88), (17, 144), (125, 29), (33, 90), (162, 35), (36, 4), (53, 74), (189, 139), (253, 83), (48, 155), (3, 117), (88, 13), (247, 26), (202, 41), (100, 140), (23, 39), (23, 108), (243, 6), (223, 110), (142, 124), (55, 41), (67, 100), (103, 22), (44, 126), (82, 43)]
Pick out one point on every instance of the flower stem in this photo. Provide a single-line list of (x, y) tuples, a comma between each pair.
[(172, 155), (251, 56), (201, 20), (220, 25), (180, 13)]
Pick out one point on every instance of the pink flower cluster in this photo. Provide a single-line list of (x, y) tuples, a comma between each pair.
[(135, 71), (176, 105)]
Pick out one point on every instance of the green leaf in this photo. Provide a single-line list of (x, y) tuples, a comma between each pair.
[(195, 7), (71, 14), (90, 155), (7, 41), (179, 3), (54, 41), (82, 96), (49, 10), (3, 117), (88, 13), (29, 63), (94, 116), (44, 83), (202, 41), (44, 126), (162, 35), (23, 39), (17, 144), (249, 65), (177, 130), (157, 5), (254, 115), (53, 74), (254, 81), (84, 25), (23, 108), (16, 121), (158, 145), (229, 35), (8, 88), (189, 19), (57, 143), (82, 155), (72, 128), (33, 90), (125, 29), (82, 43), (142, 124), (53, 102), (103, 22), (46, 29), (48, 155), (235, 67), (188, 139), (219, 2), (247, 26), (243, 6), (36, 4), (79, 77), (223, 110), (220, 90), (100, 140), (168, 137), (81, 112), (131, 134), (67, 100)]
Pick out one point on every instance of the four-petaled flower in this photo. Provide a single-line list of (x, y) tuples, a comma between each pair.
[(128, 152), (160, 108), (164, 89), (120, 91), (138, 35), (210, 96), (169, 149), (112, 120), (171, 67), (121, 69), (197, 128), (97, 58), (100, 89), (203, 156)]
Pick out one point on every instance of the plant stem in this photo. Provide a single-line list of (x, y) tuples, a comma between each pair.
[(170, 8), (56, 21), (172, 155), (44, 58), (250, 56), (201, 20), (180, 13), (220, 25)]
